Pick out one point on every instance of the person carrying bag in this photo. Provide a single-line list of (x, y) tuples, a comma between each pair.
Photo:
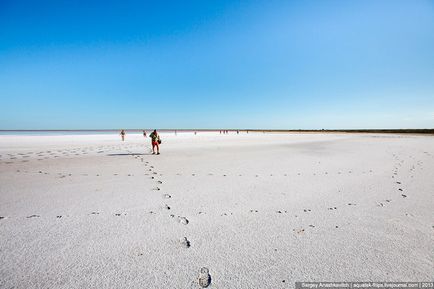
[(155, 141)]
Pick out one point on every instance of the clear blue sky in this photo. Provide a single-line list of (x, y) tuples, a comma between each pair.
[(214, 64)]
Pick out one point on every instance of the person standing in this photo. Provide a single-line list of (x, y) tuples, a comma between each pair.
[(155, 141), (144, 133), (122, 135)]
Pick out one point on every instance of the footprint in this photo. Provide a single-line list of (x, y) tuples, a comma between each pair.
[(32, 216), (183, 220), (404, 196), (1, 217), (307, 210), (160, 182), (253, 211), (94, 213), (58, 217), (166, 207), (204, 278), (167, 196), (351, 204), (156, 189), (299, 231), (185, 242)]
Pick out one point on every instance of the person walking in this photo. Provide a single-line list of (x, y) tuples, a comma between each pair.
[(155, 141), (122, 135)]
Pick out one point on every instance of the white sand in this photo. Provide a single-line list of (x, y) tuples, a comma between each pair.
[(263, 210)]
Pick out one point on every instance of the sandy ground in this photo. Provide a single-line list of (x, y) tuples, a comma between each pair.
[(257, 210)]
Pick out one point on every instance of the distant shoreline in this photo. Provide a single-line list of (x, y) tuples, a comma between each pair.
[(388, 131)]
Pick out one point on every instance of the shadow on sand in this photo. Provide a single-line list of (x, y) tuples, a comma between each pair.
[(129, 154)]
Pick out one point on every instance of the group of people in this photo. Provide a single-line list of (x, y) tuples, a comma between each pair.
[(155, 140), (226, 132)]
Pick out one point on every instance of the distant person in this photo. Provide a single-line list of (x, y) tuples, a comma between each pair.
[(122, 135), (156, 141), (144, 133)]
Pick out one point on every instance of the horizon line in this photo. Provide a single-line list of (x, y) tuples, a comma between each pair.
[(385, 130)]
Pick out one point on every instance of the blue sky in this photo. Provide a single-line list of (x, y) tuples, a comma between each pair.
[(217, 64)]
